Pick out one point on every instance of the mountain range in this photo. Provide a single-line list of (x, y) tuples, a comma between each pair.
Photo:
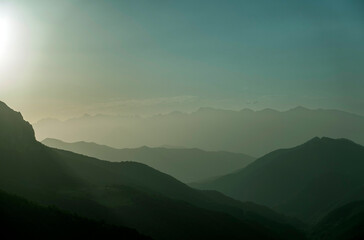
[(312, 191), (307, 181), (255, 133), (187, 165), (127, 194)]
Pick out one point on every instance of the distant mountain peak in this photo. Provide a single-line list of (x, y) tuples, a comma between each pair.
[(206, 109), (300, 108), (247, 110), (328, 140), (144, 147), (313, 140), (269, 110)]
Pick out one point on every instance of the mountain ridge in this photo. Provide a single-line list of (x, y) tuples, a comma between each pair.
[(279, 178), (187, 165), (133, 195), (255, 133)]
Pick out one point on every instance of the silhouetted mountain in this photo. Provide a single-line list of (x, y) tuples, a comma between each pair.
[(306, 181), (17, 132), (130, 194), (22, 219), (187, 165), (251, 132), (344, 223)]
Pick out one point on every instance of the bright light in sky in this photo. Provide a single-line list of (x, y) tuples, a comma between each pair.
[(270, 54), (9, 45), (15, 48), (7, 34)]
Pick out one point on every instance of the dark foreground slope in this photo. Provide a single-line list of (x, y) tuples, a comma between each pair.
[(20, 218), (187, 165), (344, 223), (306, 181), (126, 193)]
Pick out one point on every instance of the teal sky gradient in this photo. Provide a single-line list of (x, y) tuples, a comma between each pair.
[(231, 54)]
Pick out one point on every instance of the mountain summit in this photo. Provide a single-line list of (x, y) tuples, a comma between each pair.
[(305, 181)]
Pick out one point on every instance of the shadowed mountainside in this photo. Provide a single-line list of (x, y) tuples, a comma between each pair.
[(187, 165), (127, 193), (23, 219), (306, 181), (344, 223)]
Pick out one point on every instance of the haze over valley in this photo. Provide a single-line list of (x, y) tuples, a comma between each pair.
[(250, 132), (182, 120)]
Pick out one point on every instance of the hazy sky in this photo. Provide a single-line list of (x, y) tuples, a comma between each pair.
[(65, 58)]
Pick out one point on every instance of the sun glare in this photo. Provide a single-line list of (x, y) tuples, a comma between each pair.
[(4, 32), (9, 46), (6, 37)]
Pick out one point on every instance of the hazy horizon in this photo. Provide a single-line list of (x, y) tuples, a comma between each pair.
[(251, 132), (171, 112), (239, 119), (65, 58)]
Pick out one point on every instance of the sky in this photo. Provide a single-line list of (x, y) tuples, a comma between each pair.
[(66, 58)]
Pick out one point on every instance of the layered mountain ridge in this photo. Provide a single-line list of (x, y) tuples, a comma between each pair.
[(128, 194), (306, 181), (255, 133), (187, 165)]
